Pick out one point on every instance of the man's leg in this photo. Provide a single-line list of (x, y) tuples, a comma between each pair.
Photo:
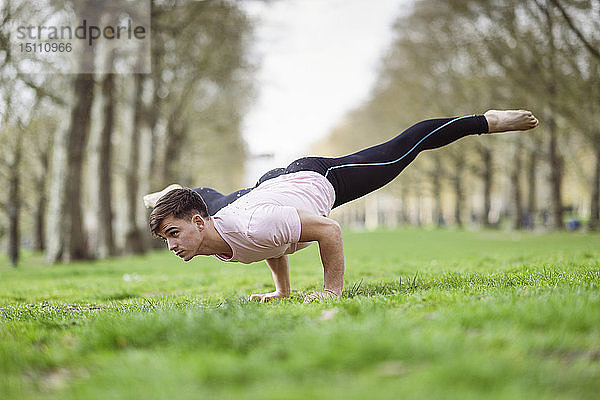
[(360, 173), (215, 200)]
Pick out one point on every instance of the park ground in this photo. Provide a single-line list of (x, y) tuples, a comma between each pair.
[(432, 314)]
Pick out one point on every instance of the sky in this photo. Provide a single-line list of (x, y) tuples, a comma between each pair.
[(318, 60)]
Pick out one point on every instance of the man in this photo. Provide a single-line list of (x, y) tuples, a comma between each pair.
[(287, 209)]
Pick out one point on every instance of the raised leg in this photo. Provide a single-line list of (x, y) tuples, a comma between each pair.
[(360, 173)]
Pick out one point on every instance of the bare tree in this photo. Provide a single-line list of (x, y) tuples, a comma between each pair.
[(133, 236), (515, 177), (106, 245), (588, 43), (13, 202)]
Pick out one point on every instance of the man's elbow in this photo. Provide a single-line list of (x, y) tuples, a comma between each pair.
[(334, 230)]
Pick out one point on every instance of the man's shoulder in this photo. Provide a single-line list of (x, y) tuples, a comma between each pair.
[(231, 220)]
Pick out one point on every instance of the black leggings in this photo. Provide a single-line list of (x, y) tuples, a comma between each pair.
[(360, 173)]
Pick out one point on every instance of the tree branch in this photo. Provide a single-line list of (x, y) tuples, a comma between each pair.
[(42, 92), (575, 30)]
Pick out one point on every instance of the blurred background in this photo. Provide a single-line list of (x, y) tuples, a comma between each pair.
[(240, 87)]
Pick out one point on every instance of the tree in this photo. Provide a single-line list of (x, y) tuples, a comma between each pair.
[(590, 44), (106, 245), (456, 57), (201, 82), (21, 97)]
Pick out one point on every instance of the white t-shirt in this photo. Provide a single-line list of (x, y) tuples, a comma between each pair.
[(264, 223)]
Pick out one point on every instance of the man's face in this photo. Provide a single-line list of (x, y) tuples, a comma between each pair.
[(183, 236)]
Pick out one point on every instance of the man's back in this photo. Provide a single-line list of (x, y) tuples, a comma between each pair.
[(264, 223)]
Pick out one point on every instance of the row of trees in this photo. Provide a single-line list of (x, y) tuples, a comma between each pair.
[(80, 150), (461, 57)]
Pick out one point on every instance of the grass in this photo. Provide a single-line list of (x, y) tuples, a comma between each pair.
[(425, 314)]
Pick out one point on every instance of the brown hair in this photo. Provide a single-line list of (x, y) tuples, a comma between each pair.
[(180, 203)]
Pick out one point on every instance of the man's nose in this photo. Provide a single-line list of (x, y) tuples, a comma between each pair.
[(171, 244)]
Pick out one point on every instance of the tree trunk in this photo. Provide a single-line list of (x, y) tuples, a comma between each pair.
[(40, 222), (419, 199), (133, 237), (76, 243), (55, 229), (154, 112), (106, 245), (151, 116), (65, 232), (556, 162), (556, 168), (459, 191), (594, 223), (532, 187), (403, 215), (40, 207), (487, 186), (438, 218), (14, 202), (145, 177), (516, 186), (174, 143)]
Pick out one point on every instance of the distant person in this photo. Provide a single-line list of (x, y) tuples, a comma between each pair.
[(287, 209)]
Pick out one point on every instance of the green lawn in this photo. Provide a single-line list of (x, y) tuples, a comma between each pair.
[(425, 314)]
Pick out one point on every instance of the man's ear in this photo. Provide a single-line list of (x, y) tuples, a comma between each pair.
[(198, 221)]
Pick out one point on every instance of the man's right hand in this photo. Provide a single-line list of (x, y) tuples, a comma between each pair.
[(269, 296)]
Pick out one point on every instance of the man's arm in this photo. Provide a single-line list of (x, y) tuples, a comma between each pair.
[(281, 276), (328, 234)]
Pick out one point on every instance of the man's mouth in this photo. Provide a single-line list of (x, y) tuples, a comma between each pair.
[(179, 253)]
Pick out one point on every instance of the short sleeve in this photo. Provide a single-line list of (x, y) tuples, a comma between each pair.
[(274, 226)]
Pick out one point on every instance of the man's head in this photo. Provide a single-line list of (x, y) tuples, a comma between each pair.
[(179, 217)]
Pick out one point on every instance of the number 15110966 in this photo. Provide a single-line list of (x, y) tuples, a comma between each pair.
[(45, 47)]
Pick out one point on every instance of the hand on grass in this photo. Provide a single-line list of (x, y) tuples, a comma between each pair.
[(327, 294), (269, 296)]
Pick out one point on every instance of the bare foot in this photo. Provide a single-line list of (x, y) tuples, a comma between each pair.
[(510, 120), (151, 199)]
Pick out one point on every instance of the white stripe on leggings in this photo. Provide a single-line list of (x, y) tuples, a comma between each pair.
[(405, 154)]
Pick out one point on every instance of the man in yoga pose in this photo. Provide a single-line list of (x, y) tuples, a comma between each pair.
[(287, 209)]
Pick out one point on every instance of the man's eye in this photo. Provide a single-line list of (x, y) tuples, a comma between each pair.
[(174, 234)]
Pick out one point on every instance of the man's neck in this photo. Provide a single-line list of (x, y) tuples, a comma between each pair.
[(214, 242)]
